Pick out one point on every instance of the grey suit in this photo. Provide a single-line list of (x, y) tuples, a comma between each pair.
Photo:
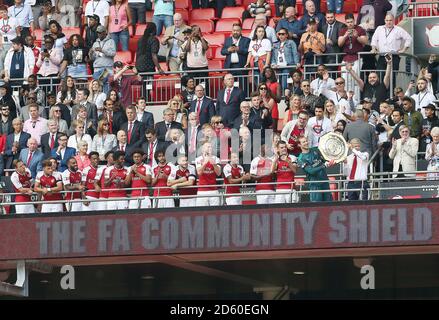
[(363, 131)]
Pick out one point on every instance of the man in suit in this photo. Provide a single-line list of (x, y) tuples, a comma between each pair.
[(5, 120), (49, 141), (202, 106), (122, 145), (244, 119), (162, 128), (147, 118), (114, 118), (152, 145), (172, 40), (134, 129), (362, 130), (191, 136), (235, 49), (63, 153), (32, 157), (331, 30), (229, 100), (15, 142), (92, 111)]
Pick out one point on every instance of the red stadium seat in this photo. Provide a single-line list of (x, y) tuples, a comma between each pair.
[(216, 64), (202, 14), (71, 31), (39, 34), (181, 4), (238, 2), (300, 9), (140, 29), (215, 39), (210, 53), (206, 26), (149, 15), (323, 6), (350, 6), (225, 25), (248, 24), (183, 13), (163, 88), (246, 3), (218, 54), (123, 56), (132, 46), (232, 12), (246, 33), (272, 22)]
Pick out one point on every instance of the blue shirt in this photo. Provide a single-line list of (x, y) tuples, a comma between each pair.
[(22, 14), (162, 7), (292, 26), (17, 60)]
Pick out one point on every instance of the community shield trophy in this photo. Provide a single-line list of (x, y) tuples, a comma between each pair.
[(333, 147)]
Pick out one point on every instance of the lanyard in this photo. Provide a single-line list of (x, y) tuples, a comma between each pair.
[(419, 98), (16, 14), (388, 33), (338, 99), (93, 6), (116, 12)]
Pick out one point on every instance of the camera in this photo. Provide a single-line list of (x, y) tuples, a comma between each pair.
[(45, 50)]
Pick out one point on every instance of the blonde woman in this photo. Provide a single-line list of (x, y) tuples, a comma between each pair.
[(103, 141), (82, 157), (97, 96), (293, 111), (332, 113), (176, 104), (432, 155), (78, 127), (55, 114)]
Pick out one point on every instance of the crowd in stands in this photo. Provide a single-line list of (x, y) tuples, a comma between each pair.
[(71, 128)]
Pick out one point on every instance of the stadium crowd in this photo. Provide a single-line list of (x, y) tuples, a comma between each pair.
[(67, 137)]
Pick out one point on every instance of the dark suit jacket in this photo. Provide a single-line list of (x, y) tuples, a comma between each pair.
[(251, 123), (147, 120), (22, 142), (161, 129), (207, 109), (160, 146), (118, 119), (35, 163), (45, 144), (137, 133), (65, 113), (244, 42), (10, 128), (334, 37), (229, 111), (129, 149), (92, 112), (70, 152)]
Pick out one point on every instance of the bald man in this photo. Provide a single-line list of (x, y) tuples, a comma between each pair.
[(173, 39)]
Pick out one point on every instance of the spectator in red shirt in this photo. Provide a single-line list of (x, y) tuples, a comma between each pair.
[(115, 177), (122, 82)]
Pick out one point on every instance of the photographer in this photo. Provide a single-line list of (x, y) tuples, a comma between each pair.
[(173, 40), (195, 48), (49, 60), (312, 43), (122, 82)]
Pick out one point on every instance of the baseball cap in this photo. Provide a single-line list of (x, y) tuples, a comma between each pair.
[(100, 29), (51, 94), (430, 106), (118, 64), (93, 16), (18, 40), (3, 84), (366, 100), (312, 21), (187, 30)]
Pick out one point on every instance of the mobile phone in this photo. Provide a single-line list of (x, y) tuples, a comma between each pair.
[(387, 56), (45, 50), (130, 67)]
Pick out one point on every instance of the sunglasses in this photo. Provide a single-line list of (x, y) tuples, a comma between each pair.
[(339, 83), (263, 88), (6, 109), (218, 122), (56, 110), (281, 34), (105, 125)]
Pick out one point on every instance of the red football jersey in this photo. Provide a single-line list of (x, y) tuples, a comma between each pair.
[(69, 177), (208, 176), (89, 178), (189, 173), (260, 167), (49, 182), (140, 187), (235, 173), (100, 176), (162, 182), (118, 184), (294, 139), (21, 181), (285, 177)]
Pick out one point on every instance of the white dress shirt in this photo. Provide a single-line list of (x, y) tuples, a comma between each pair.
[(362, 165), (391, 40)]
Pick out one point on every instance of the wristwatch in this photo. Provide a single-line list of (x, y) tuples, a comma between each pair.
[(48, 189)]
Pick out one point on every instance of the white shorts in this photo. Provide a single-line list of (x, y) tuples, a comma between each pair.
[(145, 203), (24, 208), (234, 201), (188, 203), (52, 208), (163, 203), (286, 196), (117, 204), (214, 200), (74, 206), (102, 205), (93, 205), (266, 198)]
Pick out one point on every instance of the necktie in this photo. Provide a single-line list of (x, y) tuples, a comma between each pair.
[(122, 147), (330, 32), (52, 141), (198, 109), (30, 158), (168, 126), (228, 96), (130, 128), (354, 169), (151, 153), (193, 140)]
